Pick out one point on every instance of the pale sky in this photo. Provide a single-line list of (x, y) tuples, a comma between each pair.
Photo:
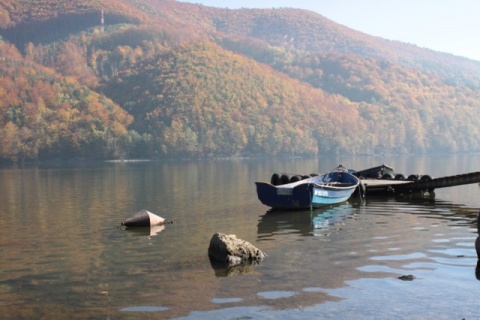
[(451, 26)]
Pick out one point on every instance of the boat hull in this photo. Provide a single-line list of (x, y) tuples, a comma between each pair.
[(328, 189), (325, 195)]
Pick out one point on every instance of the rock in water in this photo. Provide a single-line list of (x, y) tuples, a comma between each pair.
[(477, 241), (143, 218), (232, 251), (478, 223), (407, 277), (477, 247)]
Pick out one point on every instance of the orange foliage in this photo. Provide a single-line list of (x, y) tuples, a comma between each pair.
[(198, 81)]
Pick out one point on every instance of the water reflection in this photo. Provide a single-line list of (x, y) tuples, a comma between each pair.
[(62, 254), (225, 270), (145, 231), (273, 223), (276, 294), (426, 206), (322, 222), (318, 222), (143, 309), (226, 300)]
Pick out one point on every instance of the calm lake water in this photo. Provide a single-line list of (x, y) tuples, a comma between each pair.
[(63, 255)]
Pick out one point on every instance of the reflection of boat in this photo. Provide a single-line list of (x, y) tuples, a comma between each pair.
[(330, 188), (287, 222), (322, 221)]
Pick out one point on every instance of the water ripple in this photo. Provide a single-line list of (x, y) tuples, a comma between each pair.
[(410, 256), (143, 309)]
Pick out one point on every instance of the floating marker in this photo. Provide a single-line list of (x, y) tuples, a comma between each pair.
[(144, 218)]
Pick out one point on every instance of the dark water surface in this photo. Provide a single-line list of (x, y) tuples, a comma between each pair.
[(63, 256)]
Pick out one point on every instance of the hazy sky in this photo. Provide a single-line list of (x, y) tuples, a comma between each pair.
[(451, 26)]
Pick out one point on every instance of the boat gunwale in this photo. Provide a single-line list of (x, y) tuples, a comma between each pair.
[(312, 180), (345, 185)]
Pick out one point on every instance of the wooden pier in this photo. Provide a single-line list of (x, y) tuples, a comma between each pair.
[(388, 186)]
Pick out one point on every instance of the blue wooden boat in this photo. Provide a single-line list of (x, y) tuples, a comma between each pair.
[(326, 189)]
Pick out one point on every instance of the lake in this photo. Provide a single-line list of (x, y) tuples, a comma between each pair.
[(63, 254)]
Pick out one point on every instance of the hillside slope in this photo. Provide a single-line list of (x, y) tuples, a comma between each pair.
[(168, 79), (45, 115), (308, 31)]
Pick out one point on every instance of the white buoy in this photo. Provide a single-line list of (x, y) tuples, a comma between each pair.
[(144, 218), (155, 220)]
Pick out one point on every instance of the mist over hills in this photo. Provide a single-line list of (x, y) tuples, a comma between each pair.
[(164, 79)]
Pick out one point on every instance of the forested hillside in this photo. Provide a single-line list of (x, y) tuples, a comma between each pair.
[(45, 115), (163, 79)]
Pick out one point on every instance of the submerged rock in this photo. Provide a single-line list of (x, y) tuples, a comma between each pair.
[(408, 277), (230, 251)]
